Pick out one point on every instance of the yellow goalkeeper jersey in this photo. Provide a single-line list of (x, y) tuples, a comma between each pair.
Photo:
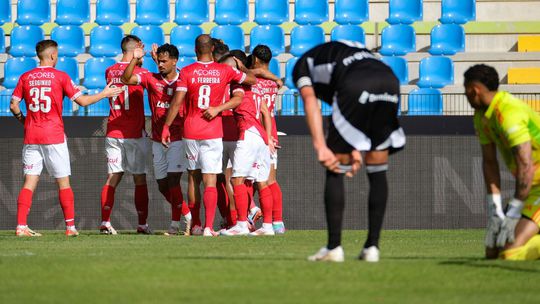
[(508, 122)]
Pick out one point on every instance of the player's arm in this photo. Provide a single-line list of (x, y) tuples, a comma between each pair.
[(267, 123), (14, 107), (266, 74), (128, 77), (108, 91), (250, 79), (172, 112), (490, 167), (524, 169), (233, 103)]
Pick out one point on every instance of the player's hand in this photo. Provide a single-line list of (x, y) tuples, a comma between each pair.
[(328, 159), (139, 52), (210, 113), (272, 146), (112, 90), (508, 226), (239, 63), (154, 51), (356, 163), (492, 231), (165, 136), (279, 83), (275, 141)]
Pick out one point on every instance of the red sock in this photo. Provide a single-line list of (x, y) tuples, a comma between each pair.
[(176, 199), (277, 208), (107, 202), (222, 199), (67, 201), (141, 203), (195, 208), (185, 209), (231, 219), (241, 201), (210, 204), (249, 188), (24, 202), (265, 198)]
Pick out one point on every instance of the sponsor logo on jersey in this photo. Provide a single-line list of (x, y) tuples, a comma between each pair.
[(163, 104), (113, 160), (40, 74), (366, 97), (358, 56)]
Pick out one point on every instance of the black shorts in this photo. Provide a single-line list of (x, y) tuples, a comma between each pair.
[(364, 113)]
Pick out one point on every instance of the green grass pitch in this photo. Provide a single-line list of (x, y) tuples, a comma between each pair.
[(417, 266)]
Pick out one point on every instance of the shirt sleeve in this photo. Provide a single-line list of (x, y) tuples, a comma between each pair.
[(18, 93), (514, 125), (181, 83), (236, 75), (142, 77), (70, 88), (301, 74), (237, 88)]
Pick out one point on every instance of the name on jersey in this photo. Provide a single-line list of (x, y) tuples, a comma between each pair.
[(37, 83), (116, 80), (206, 76), (41, 75), (367, 97), (358, 56)]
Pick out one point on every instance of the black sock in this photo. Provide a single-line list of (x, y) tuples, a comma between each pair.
[(378, 195), (334, 203)]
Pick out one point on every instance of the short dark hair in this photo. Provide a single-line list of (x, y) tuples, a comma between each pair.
[(240, 55), (226, 57), (128, 39), (220, 48), (484, 74), (44, 45), (170, 49), (263, 53)]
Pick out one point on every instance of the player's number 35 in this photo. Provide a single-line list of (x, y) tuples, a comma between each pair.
[(40, 101)]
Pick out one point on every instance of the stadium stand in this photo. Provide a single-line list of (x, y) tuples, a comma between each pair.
[(100, 108), (191, 12), (447, 39), (348, 32), (94, 72), (311, 12), (436, 72), (70, 40), (183, 37), (149, 64), (351, 11), (458, 11), (14, 68), (405, 11), (288, 72), (232, 12), (528, 43), (5, 98), (291, 103), (232, 35), (72, 12), (304, 37), (399, 66), (104, 41), (530, 75), (274, 67), (2, 41), (152, 12), (183, 61), (32, 12), (70, 66), (112, 12), (149, 35), (271, 12), (425, 101), (270, 35), (398, 40), (24, 39), (5, 11)]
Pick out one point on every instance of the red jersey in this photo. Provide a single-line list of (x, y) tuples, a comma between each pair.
[(126, 117), (248, 112), (43, 89), (205, 84), (230, 128), (268, 92), (160, 94)]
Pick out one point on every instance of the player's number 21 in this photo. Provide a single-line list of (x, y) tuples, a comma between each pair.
[(126, 99)]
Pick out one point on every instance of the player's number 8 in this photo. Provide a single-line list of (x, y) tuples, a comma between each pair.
[(40, 101), (204, 97)]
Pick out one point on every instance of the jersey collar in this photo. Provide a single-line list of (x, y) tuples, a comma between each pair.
[(205, 62), (172, 81), (494, 104)]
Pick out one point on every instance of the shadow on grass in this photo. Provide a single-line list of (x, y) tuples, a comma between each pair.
[(483, 263), (236, 258)]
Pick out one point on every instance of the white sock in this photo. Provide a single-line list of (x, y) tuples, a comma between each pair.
[(106, 224), (277, 223), (70, 227), (22, 226), (143, 226), (188, 217), (267, 226), (242, 224)]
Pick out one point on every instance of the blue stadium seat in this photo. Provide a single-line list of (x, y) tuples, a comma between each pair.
[(112, 12), (232, 35), (436, 72), (291, 103), (289, 67), (146, 104), (5, 99), (184, 61), (149, 64), (269, 35), (2, 41), (231, 12), (326, 109), (24, 40), (5, 11), (399, 67), (274, 67), (100, 108), (447, 39), (349, 32), (398, 40), (149, 34), (72, 12), (105, 41), (273, 12), (425, 101), (94, 72), (191, 12), (70, 40), (458, 11), (14, 68), (71, 67), (183, 36), (310, 11), (32, 12), (351, 11), (153, 12), (404, 11), (305, 37)]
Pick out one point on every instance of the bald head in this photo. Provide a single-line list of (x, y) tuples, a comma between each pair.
[(204, 45)]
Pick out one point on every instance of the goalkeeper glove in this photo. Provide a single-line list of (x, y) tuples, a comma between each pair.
[(495, 219), (513, 214)]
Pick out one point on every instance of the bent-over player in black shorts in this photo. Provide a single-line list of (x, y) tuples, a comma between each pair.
[(364, 95)]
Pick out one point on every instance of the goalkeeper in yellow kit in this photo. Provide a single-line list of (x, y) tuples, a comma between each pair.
[(506, 123)]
